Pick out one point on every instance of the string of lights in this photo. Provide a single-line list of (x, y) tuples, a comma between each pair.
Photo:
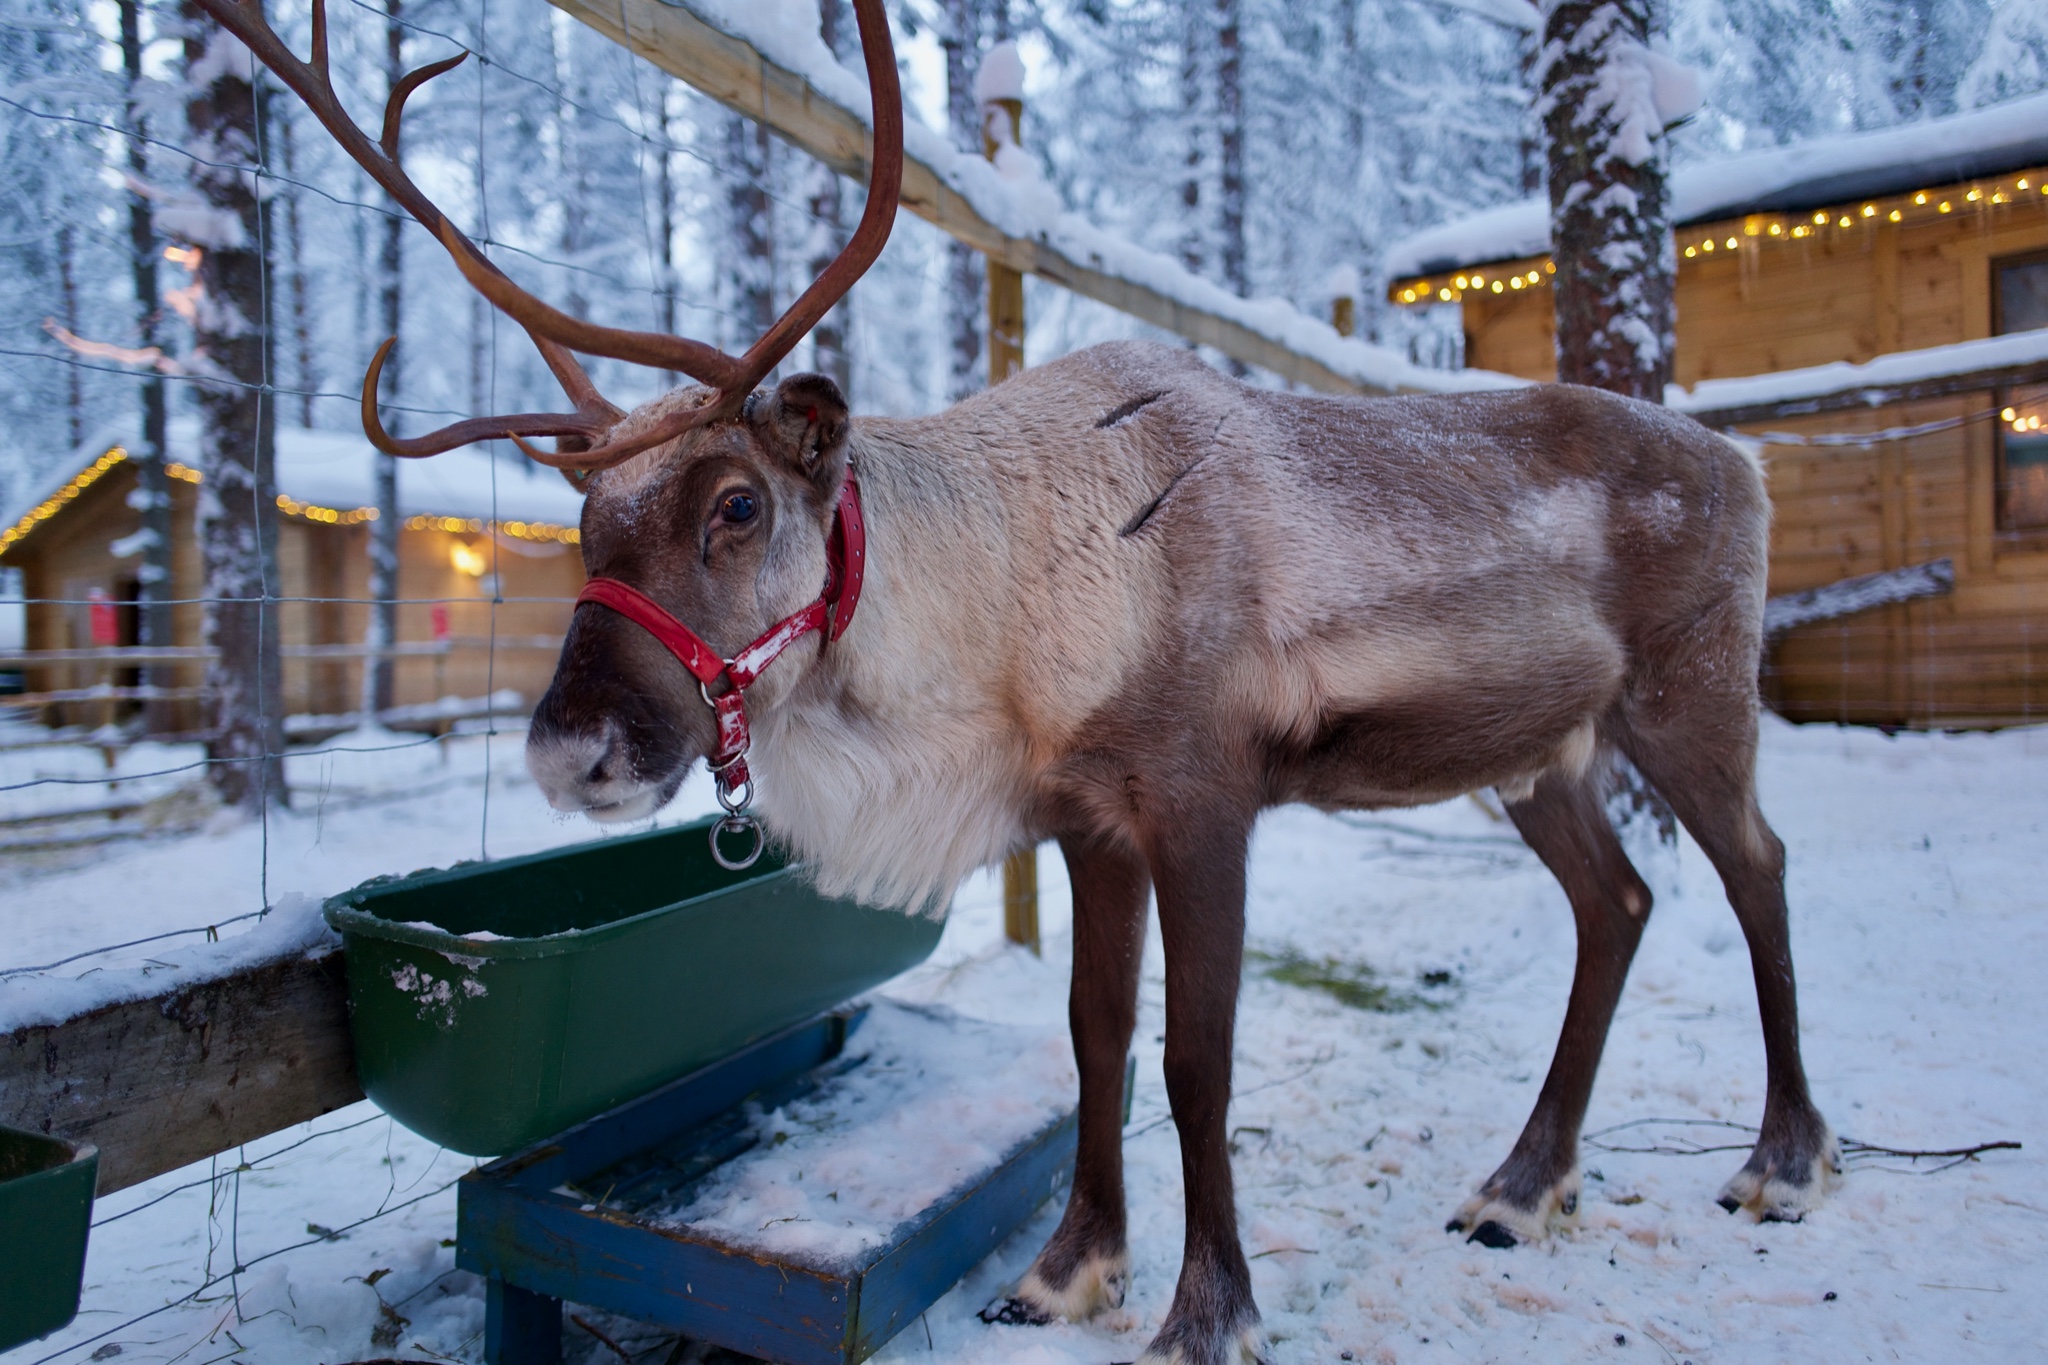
[(1751, 232)]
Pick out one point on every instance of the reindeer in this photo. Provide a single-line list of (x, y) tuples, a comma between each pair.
[(1125, 603)]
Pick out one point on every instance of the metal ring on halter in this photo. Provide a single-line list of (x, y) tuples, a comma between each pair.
[(734, 805), (737, 824), (704, 691)]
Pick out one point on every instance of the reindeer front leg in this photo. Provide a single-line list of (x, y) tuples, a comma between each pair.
[(1198, 863), (1086, 1265)]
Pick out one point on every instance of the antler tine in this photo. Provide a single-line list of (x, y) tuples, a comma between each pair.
[(313, 84), (575, 425), (733, 379), (394, 107)]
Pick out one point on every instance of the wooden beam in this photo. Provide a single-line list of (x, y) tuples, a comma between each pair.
[(1847, 596), (729, 69), (1901, 377), (161, 1082)]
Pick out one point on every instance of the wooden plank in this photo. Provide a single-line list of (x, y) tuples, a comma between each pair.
[(1867, 395), (731, 71), (160, 1082)]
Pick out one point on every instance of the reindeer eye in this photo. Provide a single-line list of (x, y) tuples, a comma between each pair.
[(738, 507)]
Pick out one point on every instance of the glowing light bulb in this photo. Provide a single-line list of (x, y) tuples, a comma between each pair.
[(1946, 206), (1921, 197), (1894, 216), (1731, 244), (1870, 210), (1692, 251), (2006, 414), (1821, 217)]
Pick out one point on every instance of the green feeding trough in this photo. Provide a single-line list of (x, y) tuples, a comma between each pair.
[(494, 1004), (46, 1187)]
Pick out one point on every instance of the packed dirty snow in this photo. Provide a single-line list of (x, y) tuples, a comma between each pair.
[(1409, 974)]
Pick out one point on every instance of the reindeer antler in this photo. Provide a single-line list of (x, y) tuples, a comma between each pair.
[(554, 332)]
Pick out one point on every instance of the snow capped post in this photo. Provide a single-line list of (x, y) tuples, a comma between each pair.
[(1606, 102), (237, 422), (1343, 285), (999, 94)]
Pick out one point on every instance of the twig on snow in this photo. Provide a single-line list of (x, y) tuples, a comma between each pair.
[(616, 1349), (1852, 1148)]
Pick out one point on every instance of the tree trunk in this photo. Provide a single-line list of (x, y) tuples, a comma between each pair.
[(378, 691), (152, 495), (1230, 146), (665, 192), (1610, 227), (828, 229), (1610, 235), (237, 431), (1194, 53), (67, 288), (962, 43), (295, 248), (750, 214)]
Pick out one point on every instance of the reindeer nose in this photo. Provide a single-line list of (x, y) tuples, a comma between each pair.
[(573, 768)]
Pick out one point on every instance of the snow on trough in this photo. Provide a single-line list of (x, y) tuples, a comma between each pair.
[(1409, 974)]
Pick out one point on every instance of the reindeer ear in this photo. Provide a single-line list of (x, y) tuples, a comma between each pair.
[(805, 423)]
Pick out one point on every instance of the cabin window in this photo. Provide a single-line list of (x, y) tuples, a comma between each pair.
[(2020, 304)]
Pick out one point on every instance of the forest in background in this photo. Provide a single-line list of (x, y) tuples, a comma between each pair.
[(1273, 147)]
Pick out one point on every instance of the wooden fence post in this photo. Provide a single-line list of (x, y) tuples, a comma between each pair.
[(1001, 88)]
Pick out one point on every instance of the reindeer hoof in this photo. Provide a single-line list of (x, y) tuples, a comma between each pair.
[(1013, 1313), (1492, 1234), (1494, 1219), (1783, 1187)]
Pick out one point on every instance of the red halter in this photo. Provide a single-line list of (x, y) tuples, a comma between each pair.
[(846, 561)]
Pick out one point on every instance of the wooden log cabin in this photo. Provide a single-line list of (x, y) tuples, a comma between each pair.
[(467, 538), (1846, 250)]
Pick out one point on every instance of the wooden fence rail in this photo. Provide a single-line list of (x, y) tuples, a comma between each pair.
[(173, 1078)]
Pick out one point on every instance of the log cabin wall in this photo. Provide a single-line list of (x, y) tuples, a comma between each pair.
[(67, 556), (1978, 657)]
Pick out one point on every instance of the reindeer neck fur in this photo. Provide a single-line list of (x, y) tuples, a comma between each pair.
[(890, 765)]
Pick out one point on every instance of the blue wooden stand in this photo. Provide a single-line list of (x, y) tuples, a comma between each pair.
[(564, 1220)]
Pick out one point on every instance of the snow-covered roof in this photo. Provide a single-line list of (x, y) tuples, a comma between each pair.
[(1805, 175), (337, 469)]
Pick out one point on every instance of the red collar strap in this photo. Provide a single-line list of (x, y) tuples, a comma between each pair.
[(846, 561)]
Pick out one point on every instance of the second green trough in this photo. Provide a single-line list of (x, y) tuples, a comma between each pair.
[(494, 1004)]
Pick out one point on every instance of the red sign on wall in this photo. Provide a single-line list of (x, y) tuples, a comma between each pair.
[(440, 617), (103, 623)]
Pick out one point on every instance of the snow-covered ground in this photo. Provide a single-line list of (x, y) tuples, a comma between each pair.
[(1920, 924)]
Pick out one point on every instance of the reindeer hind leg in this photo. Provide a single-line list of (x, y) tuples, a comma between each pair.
[(1700, 753), (1565, 821)]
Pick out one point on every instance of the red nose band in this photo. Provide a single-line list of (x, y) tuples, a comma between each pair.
[(831, 613)]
